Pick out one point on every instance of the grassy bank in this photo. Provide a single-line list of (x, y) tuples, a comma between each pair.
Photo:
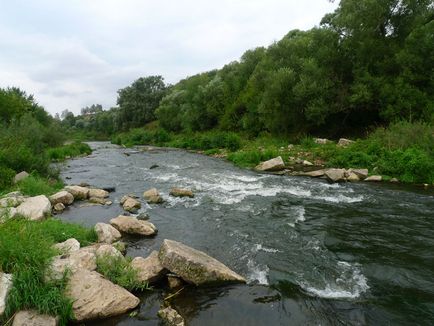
[(26, 249), (403, 150)]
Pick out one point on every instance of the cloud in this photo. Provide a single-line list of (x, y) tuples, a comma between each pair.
[(71, 54)]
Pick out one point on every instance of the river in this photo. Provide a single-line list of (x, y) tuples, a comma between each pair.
[(314, 253)]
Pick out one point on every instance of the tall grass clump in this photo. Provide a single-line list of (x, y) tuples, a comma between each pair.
[(35, 185), (26, 249), (67, 151), (119, 271)]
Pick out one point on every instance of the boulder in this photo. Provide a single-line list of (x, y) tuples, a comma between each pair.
[(78, 192), (143, 216), (11, 201), (152, 196), (94, 297), (67, 247), (33, 318), (194, 266), (394, 180), (131, 205), (343, 142), (107, 233), (374, 178), (181, 192), (107, 250), (149, 269), (98, 200), (98, 193), (63, 197), (275, 164), (335, 175), (5, 287), (131, 225), (35, 208), (84, 258), (307, 163), (361, 173), (315, 174), (171, 317), (59, 208), (20, 176), (352, 177), (321, 141)]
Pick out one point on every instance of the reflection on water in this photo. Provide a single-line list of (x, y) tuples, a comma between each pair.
[(313, 253)]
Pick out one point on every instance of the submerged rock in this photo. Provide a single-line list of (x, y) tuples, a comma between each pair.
[(95, 297), (106, 233), (152, 196), (33, 318), (275, 164), (195, 266), (131, 225), (62, 197), (149, 269), (5, 287), (34, 208), (181, 192), (171, 317), (78, 192)]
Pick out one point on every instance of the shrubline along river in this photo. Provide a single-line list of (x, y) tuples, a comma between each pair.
[(313, 253)]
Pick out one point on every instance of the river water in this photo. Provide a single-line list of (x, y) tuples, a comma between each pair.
[(314, 253)]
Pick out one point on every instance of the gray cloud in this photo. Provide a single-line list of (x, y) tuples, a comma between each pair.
[(71, 54)]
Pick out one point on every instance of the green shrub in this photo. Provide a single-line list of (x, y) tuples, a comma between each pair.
[(70, 150), (119, 271), (6, 177), (25, 251)]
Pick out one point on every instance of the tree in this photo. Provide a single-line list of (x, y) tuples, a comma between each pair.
[(138, 102)]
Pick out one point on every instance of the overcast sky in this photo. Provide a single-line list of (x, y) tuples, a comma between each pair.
[(75, 53)]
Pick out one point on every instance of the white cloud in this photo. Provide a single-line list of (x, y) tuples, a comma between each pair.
[(76, 53)]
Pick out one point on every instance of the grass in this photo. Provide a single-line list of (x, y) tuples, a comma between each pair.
[(119, 271), (25, 251), (67, 151)]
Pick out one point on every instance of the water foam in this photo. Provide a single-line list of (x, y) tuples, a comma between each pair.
[(259, 247), (257, 273)]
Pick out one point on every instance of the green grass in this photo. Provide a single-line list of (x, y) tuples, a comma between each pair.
[(35, 185), (119, 271), (25, 251), (71, 150)]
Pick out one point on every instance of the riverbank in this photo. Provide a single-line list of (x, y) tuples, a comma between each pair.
[(404, 152)]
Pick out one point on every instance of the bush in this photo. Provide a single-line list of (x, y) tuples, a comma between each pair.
[(6, 177)]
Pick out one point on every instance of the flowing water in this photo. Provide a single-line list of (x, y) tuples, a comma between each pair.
[(314, 253)]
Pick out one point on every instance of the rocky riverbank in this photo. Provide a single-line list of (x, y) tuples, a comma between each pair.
[(94, 293)]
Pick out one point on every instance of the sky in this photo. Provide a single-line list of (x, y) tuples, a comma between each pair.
[(75, 53)]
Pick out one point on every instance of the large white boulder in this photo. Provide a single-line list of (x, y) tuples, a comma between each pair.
[(195, 266), (33, 318), (5, 287), (149, 269), (106, 233), (62, 197), (34, 208), (132, 225), (94, 297), (275, 164)]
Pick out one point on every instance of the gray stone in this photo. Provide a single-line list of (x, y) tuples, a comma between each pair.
[(63, 197), (149, 269), (98, 193), (95, 297), (107, 233), (335, 175), (33, 318), (181, 192), (343, 142), (35, 208), (21, 176), (131, 225), (194, 266), (374, 178), (361, 173), (275, 164), (131, 204), (5, 287), (78, 192), (152, 196), (67, 247)]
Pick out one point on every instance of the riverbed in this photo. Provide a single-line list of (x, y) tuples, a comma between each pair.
[(313, 253)]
